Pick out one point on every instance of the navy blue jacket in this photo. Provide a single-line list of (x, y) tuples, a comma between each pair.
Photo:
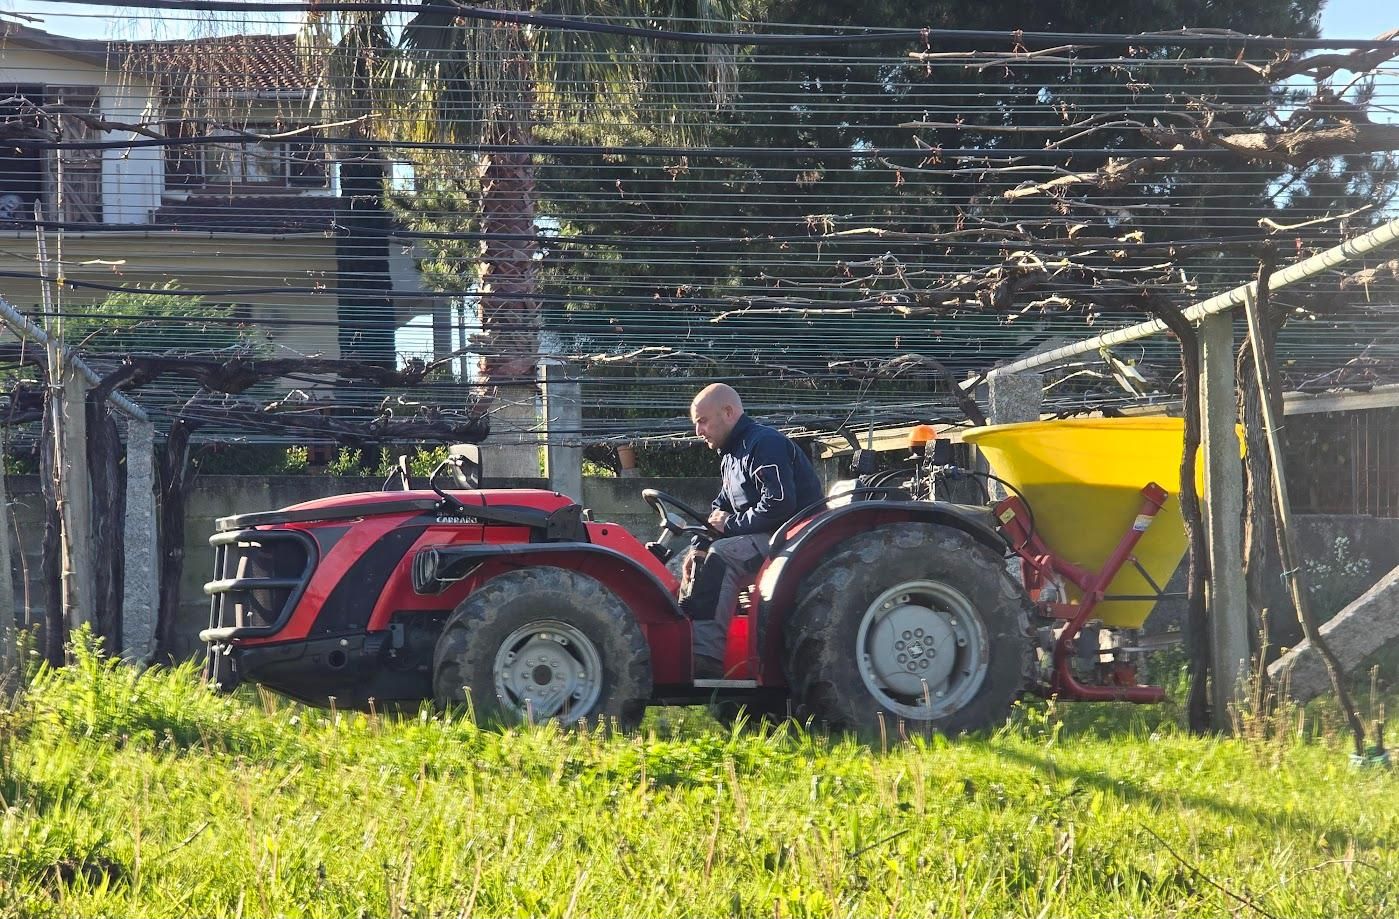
[(766, 479)]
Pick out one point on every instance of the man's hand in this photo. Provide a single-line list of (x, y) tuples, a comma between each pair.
[(718, 520), (692, 563)]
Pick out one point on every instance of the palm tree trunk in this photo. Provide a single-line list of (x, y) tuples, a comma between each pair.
[(509, 302), (510, 312)]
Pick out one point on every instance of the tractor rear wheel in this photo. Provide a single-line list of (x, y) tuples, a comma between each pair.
[(544, 643), (911, 622)]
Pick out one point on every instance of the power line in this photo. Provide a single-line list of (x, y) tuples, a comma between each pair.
[(1183, 38)]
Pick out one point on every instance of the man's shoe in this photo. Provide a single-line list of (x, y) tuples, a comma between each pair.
[(707, 668)]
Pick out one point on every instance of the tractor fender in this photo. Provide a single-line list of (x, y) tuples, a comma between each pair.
[(645, 595), (437, 568), (803, 552)]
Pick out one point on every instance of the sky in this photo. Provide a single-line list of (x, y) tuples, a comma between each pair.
[(1339, 19)]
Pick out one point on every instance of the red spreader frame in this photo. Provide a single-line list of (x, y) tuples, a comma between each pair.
[(1040, 566)]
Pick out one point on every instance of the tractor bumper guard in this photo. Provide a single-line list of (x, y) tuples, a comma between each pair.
[(260, 577)]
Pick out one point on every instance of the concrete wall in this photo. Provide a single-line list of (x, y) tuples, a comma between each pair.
[(1342, 557)]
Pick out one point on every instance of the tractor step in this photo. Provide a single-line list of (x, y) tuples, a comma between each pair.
[(726, 684)]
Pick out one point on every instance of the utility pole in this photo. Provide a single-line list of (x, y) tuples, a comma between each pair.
[(68, 406)]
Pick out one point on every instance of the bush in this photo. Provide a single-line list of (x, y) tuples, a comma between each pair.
[(347, 463), (154, 319)]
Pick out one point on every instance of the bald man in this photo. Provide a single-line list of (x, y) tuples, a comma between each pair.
[(766, 480)]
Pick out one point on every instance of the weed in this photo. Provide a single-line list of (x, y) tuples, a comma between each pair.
[(1336, 579)]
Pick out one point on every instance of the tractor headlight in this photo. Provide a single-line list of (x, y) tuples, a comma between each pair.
[(425, 572)]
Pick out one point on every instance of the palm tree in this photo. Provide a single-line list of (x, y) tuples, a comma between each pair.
[(477, 82)]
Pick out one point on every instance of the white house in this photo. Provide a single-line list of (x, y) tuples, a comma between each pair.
[(255, 224)]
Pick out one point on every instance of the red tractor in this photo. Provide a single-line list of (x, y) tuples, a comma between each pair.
[(876, 605)]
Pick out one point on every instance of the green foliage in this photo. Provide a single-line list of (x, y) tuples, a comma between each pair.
[(691, 461), (421, 461), (253, 459), (130, 792), (347, 462), (295, 461), (239, 459), (598, 469), (145, 319), (777, 217), (21, 465), (1336, 578)]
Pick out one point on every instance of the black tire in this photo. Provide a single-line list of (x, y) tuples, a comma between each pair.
[(978, 617), (544, 603)]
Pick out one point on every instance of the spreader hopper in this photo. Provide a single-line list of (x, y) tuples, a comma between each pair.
[(1083, 479)]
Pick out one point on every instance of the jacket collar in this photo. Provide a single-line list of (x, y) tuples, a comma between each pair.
[(740, 429)]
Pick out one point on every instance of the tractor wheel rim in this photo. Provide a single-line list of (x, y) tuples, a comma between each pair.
[(548, 669), (922, 650)]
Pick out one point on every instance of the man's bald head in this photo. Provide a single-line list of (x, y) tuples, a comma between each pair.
[(717, 395), (715, 411)]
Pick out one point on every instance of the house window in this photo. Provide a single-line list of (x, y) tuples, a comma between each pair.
[(66, 183), (21, 168), (229, 159)]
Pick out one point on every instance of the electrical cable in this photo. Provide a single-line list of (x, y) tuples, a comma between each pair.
[(1015, 38)]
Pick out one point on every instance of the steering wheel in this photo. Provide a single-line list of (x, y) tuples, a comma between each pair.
[(673, 513)]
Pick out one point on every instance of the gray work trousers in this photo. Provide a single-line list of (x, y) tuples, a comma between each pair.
[(741, 557)]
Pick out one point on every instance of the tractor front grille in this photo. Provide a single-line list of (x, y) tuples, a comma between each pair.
[(258, 577)]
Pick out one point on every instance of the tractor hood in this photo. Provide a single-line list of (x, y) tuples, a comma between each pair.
[(494, 504)]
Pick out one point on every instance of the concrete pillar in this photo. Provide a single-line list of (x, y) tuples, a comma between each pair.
[(1012, 398), (563, 426), (75, 497), (1223, 505), (140, 580), (512, 449)]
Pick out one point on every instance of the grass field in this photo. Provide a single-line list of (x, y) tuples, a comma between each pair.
[(146, 795)]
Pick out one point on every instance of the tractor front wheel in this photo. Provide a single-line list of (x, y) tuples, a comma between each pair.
[(544, 643), (911, 622)]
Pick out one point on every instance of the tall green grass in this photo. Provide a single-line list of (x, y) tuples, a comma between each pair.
[(129, 793)]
